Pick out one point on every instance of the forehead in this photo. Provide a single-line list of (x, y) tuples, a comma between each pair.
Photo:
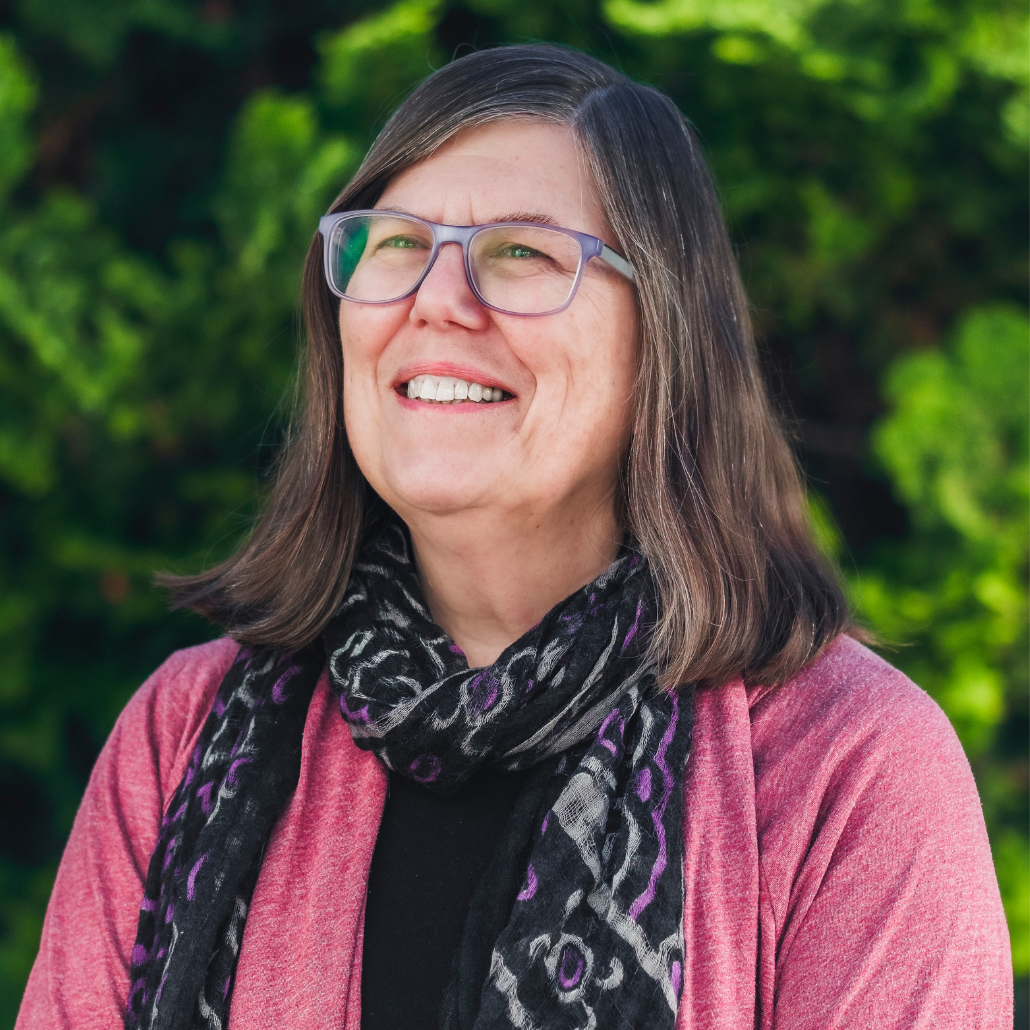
[(503, 170)]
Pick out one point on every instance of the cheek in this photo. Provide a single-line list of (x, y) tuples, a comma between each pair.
[(365, 332), (586, 369), (367, 329), (604, 364), (356, 353), (610, 372)]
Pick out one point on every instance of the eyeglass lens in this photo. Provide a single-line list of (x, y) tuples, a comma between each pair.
[(521, 269)]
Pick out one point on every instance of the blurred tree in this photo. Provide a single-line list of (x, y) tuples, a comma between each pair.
[(162, 167), (955, 447)]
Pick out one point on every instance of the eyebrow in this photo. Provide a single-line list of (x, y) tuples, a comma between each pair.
[(537, 217), (528, 216)]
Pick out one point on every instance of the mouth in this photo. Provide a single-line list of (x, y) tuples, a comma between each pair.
[(450, 390)]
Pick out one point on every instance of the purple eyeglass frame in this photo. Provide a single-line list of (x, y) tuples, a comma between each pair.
[(589, 247)]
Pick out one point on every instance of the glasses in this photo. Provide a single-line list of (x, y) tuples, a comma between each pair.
[(518, 268)]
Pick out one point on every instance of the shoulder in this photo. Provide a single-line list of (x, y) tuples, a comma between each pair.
[(182, 684), (878, 893), (847, 749), (168, 710), (101, 876), (847, 704), (851, 754)]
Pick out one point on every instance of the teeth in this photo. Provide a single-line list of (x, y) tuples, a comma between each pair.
[(448, 390)]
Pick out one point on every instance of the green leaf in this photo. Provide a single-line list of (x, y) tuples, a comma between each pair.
[(17, 99)]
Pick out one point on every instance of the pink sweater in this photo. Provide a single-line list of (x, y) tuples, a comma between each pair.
[(838, 871)]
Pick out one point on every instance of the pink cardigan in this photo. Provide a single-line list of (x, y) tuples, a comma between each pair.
[(838, 870)]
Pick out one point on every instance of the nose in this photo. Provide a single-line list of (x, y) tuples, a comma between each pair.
[(445, 298)]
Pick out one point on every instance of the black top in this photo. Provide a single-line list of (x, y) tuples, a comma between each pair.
[(429, 857)]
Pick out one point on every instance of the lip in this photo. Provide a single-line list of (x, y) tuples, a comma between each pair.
[(447, 368)]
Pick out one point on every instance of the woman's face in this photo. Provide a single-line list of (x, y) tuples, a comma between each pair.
[(554, 449)]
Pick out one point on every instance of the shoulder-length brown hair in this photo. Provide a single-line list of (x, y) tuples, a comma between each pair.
[(711, 491)]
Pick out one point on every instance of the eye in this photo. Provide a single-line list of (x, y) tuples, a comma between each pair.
[(401, 243), (518, 250)]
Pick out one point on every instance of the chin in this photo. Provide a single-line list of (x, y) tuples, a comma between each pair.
[(432, 502), (439, 484)]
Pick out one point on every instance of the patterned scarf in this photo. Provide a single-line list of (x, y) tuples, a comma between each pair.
[(579, 919)]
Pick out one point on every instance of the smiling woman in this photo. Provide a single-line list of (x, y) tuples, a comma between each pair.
[(549, 454), (608, 756)]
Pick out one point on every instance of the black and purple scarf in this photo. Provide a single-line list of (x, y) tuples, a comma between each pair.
[(581, 921)]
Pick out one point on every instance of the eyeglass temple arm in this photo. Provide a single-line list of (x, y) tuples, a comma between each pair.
[(619, 263)]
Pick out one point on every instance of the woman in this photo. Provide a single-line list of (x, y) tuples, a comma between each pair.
[(607, 755)]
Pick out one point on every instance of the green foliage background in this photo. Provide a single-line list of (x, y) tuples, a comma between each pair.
[(162, 167)]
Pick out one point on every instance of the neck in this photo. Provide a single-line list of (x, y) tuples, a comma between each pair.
[(488, 581)]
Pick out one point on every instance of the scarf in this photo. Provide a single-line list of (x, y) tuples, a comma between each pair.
[(579, 919)]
